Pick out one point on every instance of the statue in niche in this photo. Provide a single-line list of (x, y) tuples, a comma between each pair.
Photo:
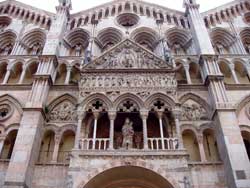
[(127, 133)]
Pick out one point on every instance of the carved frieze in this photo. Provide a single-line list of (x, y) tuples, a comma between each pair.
[(65, 111), (128, 55), (192, 111), (113, 85)]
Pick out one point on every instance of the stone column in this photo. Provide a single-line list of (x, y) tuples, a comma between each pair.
[(231, 66), (112, 116), (160, 115), (201, 148), (80, 116), (22, 75), (2, 138), (68, 75), (177, 115), (7, 76), (56, 148), (186, 68), (144, 116), (96, 115)]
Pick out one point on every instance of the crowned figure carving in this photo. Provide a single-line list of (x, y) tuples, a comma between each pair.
[(128, 134)]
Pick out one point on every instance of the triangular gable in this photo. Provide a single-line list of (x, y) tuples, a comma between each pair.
[(128, 55)]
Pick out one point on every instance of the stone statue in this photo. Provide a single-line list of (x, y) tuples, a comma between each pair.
[(127, 133)]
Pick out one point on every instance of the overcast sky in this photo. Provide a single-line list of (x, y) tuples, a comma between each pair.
[(79, 5)]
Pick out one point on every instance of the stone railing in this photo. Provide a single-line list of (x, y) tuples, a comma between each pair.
[(153, 144), (94, 144), (163, 144)]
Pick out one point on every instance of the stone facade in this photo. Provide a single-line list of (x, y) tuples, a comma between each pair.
[(125, 95)]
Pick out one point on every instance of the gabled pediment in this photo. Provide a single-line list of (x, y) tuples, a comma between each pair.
[(128, 55)]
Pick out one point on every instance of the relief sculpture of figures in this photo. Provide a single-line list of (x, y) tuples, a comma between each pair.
[(128, 134)]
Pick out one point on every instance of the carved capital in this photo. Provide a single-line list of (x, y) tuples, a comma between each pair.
[(160, 113), (177, 113), (96, 114), (57, 138), (200, 138), (2, 138), (144, 114), (112, 115)]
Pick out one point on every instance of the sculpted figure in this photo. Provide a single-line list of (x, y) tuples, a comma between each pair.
[(127, 133)]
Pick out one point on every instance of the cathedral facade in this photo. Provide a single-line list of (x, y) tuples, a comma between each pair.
[(127, 94)]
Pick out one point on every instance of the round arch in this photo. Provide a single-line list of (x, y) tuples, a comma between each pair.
[(129, 175)]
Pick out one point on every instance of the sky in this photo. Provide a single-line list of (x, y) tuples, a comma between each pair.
[(79, 5)]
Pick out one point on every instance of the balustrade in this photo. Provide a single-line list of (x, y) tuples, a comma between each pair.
[(168, 143), (94, 144), (153, 144)]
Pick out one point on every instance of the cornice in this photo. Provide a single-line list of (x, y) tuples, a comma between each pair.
[(111, 3), (222, 7), (29, 7)]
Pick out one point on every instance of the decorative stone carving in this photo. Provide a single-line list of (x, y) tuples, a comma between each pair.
[(128, 55), (193, 111), (127, 133), (5, 111), (113, 85), (65, 111)]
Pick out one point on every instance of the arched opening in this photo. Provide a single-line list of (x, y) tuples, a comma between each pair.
[(61, 74), (180, 74), (109, 37), (210, 145), (245, 36), (7, 42), (33, 42), (78, 41), (15, 73), (145, 37), (3, 69), (102, 130), (128, 126), (226, 71), (191, 144), (30, 71), (75, 76), (9, 143), (241, 73), (195, 75), (179, 40), (66, 145), (223, 41), (246, 139), (47, 147), (128, 177)]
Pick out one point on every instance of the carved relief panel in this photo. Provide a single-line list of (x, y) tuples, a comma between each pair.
[(192, 111), (141, 84), (63, 112)]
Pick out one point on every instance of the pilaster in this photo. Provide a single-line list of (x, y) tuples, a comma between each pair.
[(229, 139), (26, 149)]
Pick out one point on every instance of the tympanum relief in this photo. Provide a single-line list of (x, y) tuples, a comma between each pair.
[(65, 111), (192, 111), (128, 55)]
